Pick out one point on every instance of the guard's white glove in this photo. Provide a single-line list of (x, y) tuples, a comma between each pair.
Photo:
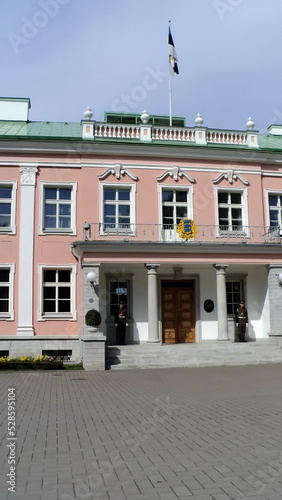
[(126, 324), (115, 324)]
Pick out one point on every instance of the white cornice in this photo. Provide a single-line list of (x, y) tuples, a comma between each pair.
[(145, 150), (185, 248), (188, 168), (5, 163)]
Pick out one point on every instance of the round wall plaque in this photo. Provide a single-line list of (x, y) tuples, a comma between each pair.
[(209, 305)]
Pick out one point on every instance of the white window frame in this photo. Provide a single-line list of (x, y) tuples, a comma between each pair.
[(168, 187), (126, 278), (241, 280), (12, 228), (272, 192), (245, 225), (131, 202), (73, 228), (171, 234), (10, 314), (71, 316)]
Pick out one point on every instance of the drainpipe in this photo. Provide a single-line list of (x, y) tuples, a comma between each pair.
[(75, 254)]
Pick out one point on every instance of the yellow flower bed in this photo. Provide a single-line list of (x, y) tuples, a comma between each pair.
[(34, 359)]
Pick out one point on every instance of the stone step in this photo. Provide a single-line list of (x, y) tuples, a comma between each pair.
[(185, 355)]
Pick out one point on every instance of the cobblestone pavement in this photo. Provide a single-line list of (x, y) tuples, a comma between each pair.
[(184, 433)]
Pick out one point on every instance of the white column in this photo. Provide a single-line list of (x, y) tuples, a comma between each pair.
[(26, 238), (221, 302), (153, 327)]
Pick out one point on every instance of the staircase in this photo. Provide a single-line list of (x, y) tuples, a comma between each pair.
[(192, 355)]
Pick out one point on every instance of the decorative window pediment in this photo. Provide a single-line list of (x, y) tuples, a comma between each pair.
[(176, 173), (118, 170), (231, 176)]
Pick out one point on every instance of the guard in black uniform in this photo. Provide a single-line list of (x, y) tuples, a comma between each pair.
[(242, 321), (121, 323)]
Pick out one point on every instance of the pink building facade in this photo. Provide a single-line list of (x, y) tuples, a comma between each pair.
[(177, 222)]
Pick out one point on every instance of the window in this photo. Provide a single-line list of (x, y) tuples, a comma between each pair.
[(119, 291), (118, 208), (57, 292), (234, 292), (6, 292), (231, 211), (7, 207), (58, 210), (275, 210), (175, 206)]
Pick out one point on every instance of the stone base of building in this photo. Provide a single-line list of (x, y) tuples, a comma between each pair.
[(64, 347), (93, 352)]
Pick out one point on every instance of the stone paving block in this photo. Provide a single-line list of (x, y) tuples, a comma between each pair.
[(143, 484), (34, 484), (51, 494), (117, 495), (130, 488), (50, 480), (201, 496), (257, 497), (221, 496), (181, 491)]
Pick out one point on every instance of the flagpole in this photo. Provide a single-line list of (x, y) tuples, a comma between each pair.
[(170, 100), (173, 69), (170, 90)]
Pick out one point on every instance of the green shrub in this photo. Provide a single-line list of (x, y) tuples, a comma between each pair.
[(93, 318)]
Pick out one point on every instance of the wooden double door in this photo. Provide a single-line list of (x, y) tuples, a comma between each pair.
[(178, 312)]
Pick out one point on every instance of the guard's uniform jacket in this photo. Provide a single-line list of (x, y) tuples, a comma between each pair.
[(121, 320), (242, 320)]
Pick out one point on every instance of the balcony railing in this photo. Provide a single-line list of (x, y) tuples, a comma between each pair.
[(161, 233), (171, 134)]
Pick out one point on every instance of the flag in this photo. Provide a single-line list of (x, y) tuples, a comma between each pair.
[(172, 55)]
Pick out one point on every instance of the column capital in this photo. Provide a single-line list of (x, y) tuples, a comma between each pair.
[(28, 176), (220, 267), (152, 266)]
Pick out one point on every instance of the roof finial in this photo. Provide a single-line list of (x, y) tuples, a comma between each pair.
[(199, 120), (250, 124), (88, 114)]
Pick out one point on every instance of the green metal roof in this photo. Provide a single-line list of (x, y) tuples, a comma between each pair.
[(271, 142), (40, 130)]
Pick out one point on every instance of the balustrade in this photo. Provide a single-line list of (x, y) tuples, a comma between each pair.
[(123, 131), (204, 234)]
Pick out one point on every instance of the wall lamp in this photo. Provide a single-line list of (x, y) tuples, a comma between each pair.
[(279, 277), (86, 229), (91, 277)]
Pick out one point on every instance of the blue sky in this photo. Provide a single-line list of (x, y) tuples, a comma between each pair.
[(112, 55)]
